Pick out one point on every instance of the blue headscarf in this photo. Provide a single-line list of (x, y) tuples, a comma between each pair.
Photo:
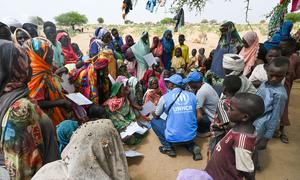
[(64, 132), (168, 45)]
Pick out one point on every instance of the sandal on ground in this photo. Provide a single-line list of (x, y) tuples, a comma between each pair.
[(170, 152), (284, 138), (196, 151)]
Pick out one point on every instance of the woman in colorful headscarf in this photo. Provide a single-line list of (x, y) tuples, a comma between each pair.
[(230, 42), (20, 36), (94, 152), (70, 57), (157, 48), (27, 134), (120, 110), (64, 132), (128, 43), (102, 41), (44, 86), (250, 51), (92, 79), (140, 49), (168, 47)]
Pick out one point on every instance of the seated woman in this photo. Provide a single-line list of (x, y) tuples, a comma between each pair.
[(153, 92), (120, 109), (91, 79), (27, 134), (70, 57), (94, 152), (44, 85), (155, 70)]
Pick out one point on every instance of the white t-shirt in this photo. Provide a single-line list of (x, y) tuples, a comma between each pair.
[(259, 74), (207, 99)]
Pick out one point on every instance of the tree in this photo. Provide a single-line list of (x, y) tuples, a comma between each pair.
[(100, 20), (213, 21), (129, 22), (262, 21), (167, 21), (40, 21), (71, 19)]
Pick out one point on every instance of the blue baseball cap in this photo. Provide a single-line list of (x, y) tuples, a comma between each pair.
[(193, 77), (175, 79)]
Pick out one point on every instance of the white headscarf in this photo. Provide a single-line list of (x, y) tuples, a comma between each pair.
[(9, 21), (233, 62)]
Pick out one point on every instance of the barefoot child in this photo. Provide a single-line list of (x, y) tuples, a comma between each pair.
[(220, 124), (194, 63), (275, 98), (177, 61), (232, 158)]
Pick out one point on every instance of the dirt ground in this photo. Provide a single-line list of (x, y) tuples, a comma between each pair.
[(281, 161)]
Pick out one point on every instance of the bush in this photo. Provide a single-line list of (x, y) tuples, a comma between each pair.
[(204, 21), (213, 21), (100, 20), (294, 17), (167, 21)]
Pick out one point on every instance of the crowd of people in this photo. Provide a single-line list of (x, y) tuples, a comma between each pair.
[(237, 96)]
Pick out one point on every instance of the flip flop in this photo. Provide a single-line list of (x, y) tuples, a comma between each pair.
[(284, 138)]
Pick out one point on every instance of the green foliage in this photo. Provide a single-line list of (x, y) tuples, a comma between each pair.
[(129, 22), (100, 20), (204, 21), (40, 21), (294, 17), (167, 21), (71, 18)]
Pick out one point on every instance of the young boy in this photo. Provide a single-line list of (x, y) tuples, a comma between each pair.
[(275, 98), (178, 61), (232, 158), (259, 73), (117, 39), (184, 48), (220, 124), (194, 63), (202, 60)]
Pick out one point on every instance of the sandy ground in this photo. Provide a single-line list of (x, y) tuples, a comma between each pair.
[(281, 161)]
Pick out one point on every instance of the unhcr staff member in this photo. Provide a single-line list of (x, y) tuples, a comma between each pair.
[(180, 126)]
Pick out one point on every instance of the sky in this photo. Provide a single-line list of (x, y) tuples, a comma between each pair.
[(110, 10)]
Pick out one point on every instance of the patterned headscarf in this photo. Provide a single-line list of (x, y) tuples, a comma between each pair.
[(231, 37)]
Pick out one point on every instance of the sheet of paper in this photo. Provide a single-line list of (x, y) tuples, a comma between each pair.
[(148, 108), (66, 84), (79, 99), (131, 153), (133, 128), (149, 58), (164, 116), (112, 80), (70, 67)]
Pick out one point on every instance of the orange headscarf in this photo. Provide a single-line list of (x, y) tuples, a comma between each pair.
[(43, 78)]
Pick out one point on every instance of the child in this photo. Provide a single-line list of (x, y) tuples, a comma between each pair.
[(117, 39), (130, 62), (275, 98), (117, 51), (220, 124), (209, 59), (155, 70), (177, 61), (232, 158), (202, 60), (153, 93), (259, 73), (194, 63)]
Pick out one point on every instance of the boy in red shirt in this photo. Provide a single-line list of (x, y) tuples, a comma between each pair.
[(232, 157)]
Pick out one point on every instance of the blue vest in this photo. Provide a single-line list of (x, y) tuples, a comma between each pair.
[(182, 121)]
